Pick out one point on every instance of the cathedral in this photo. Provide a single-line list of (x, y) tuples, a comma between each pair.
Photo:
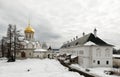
[(29, 46)]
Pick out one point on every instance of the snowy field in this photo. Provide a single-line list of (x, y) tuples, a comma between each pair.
[(37, 67)]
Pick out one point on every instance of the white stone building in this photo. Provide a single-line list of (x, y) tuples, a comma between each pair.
[(91, 51)]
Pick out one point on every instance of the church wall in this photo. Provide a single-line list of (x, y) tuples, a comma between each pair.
[(18, 55), (29, 53), (40, 55)]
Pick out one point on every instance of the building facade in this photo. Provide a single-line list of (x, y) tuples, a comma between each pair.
[(90, 50)]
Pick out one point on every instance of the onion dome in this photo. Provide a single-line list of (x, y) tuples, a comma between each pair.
[(29, 29)]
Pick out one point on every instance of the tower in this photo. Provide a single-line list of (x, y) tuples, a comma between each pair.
[(29, 32)]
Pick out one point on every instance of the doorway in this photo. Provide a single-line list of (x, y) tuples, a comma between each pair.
[(23, 55)]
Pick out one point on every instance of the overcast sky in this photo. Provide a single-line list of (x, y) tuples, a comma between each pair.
[(57, 21)]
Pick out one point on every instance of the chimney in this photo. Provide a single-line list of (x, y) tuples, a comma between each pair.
[(76, 37), (73, 39), (95, 32), (83, 34)]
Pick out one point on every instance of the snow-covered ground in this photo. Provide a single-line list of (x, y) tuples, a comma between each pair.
[(100, 71), (37, 67), (96, 71)]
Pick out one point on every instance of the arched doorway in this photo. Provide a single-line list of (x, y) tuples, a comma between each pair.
[(23, 55), (48, 55)]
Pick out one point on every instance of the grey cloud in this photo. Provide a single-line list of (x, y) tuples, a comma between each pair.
[(61, 20), (45, 33)]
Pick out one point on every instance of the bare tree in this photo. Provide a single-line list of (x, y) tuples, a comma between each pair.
[(12, 43)]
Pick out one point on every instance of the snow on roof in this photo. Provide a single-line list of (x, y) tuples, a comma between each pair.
[(21, 38), (40, 50), (26, 41), (68, 54), (89, 43), (73, 56), (116, 55), (85, 39), (33, 43)]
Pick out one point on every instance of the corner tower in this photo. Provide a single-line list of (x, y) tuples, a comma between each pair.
[(29, 32)]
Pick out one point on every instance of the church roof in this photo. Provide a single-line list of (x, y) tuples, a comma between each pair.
[(29, 29), (86, 38), (40, 50)]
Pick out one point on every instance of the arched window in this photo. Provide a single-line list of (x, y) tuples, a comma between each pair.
[(98, 62), (29, 53), (107, 62), (29, 35), (30, 45), (98, 52), (107, 52), (23, 54)]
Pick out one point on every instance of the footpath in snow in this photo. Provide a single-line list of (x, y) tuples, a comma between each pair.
[(35, 68)]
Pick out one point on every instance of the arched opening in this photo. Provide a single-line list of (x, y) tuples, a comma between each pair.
[(98, 62), (107, 62), (23, 55), (48, 55)]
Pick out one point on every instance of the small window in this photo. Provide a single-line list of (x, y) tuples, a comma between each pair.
[(107, 62), (76, 43), (29, 53), (93, 61), (98, 62)]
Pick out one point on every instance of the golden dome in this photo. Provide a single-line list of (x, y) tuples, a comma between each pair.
[(29, 29)]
